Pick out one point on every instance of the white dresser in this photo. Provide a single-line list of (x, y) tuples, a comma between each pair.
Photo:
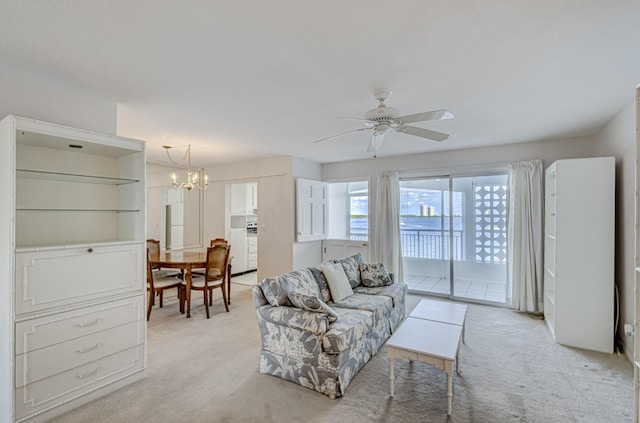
[(72, 261), (579, 252)]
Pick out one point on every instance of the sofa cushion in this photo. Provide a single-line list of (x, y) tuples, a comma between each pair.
[(350, 327), (379, 305), (396, 292), (374, 275), (351, 268), (314, 304), (276, 289), (337, 280)]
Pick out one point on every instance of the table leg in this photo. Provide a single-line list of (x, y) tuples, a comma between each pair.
[(391, 375), (187, 276), (449, 393), (229, 284)]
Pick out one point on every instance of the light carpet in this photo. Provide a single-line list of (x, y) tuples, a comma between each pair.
[(202, 371)]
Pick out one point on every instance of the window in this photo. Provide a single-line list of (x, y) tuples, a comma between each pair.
[(349, 210)]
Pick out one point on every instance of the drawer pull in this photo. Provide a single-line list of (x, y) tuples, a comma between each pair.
[(91, 323), (91, 373), (92, 348), (90, 250)]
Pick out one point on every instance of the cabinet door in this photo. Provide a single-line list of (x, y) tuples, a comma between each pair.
[(238, 199), (59, 277), (311, 210), (252, 198)]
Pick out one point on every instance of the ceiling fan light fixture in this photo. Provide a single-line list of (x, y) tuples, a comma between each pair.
[(383, 118), (382, 114)]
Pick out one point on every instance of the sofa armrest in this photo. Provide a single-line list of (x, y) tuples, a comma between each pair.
[(316, 323), (258, 296)]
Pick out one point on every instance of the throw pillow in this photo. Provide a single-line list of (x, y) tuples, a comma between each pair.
[(273, 291), (311, 303), (323, 286), (337, 280), (374, 275), (351, 269)]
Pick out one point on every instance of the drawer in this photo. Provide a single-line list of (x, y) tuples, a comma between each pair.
[(60, 388), (54, 278), (252, 241), (40, 364), (252, 249), (45, 331)]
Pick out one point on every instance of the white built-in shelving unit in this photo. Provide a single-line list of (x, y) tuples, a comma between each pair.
[(579, 252), (72, 240)]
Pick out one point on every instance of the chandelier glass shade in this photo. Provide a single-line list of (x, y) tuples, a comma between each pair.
[(192, 178)]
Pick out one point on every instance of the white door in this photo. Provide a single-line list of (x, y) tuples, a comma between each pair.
[(311, 219), (339, 248)]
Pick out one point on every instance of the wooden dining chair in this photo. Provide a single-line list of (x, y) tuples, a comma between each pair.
[(156, 284), (218, 241), (224, 241), (153, 245), (214, 277)]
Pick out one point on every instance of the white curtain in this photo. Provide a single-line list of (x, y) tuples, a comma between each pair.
[(387, 247), (525, 286)]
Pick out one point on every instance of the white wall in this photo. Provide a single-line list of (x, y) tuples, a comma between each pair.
[(275, 209), (618, 139), (36, 97), (158, 181)]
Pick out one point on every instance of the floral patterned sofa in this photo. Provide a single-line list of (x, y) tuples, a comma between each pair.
[(320, 343)]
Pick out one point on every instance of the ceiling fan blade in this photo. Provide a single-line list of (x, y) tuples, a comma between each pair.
[(421, 117), (340, 135), (421, 132), (375, 143)]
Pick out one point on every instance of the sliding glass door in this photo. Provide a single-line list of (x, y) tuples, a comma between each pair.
[(453, 232)]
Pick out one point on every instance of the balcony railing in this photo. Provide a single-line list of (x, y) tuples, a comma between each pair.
[(431, 244), (425, 243)]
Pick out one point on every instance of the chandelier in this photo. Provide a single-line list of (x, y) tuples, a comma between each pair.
[(193, 180)]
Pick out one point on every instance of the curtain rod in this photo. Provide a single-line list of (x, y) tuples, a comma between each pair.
[(453, 170)]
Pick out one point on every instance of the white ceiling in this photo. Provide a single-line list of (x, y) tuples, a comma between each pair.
[(250, 79)]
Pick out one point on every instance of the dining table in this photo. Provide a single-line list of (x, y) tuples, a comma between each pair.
[(187, 260)]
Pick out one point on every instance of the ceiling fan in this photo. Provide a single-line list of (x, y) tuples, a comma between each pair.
[(383, 118)]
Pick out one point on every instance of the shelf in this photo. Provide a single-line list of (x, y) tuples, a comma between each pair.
[(74, 245), (70, 177), (79, 210)]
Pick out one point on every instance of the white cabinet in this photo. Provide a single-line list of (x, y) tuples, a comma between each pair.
[(238, 241), (252, 252), (244, 198), (579, 252), (72, 257)]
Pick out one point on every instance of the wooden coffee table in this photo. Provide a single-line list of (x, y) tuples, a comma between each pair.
[(427, 341)]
